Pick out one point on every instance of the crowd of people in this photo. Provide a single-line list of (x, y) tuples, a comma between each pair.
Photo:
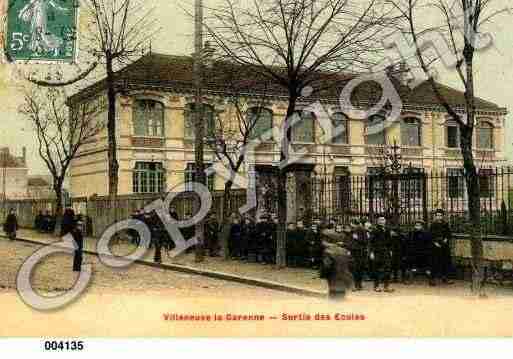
[(386, 254), (44, 222), (380, 252)]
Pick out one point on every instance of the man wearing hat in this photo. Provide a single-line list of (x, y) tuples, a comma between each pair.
[(418, 249), (335, 269), (441, 249), (77, 233), (381, 255), (358, 243), (211, 235)]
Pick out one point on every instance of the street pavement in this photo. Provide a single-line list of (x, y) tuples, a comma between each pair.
[(136, 300)]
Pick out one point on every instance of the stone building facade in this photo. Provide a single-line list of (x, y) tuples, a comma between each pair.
[(13, 175), (155, 138)]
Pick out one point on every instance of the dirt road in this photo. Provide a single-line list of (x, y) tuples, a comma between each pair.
[(144, 301)]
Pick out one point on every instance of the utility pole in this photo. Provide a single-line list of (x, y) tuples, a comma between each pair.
[(199, 121), (4, 174)]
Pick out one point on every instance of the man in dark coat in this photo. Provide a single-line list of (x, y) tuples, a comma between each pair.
[(248, 241), (38, 222), (68, 221), (381, 255), (441, 249), (211, 235), (418, 249), (11, 224), (234, 243), (313, 239), (335, 268), (358, 244), (398, 254), (78, 236)]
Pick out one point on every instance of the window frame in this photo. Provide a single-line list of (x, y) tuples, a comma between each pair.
[(189, 118), (405, 125), (486, 179), (488, 126), (301, 122), (190, 173), (345, 134), (452, 124), (367, 136), (149, 129), (457, 190), (144, 178), (250, 112)]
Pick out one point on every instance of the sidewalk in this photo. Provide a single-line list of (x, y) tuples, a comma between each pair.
[(295, 280)]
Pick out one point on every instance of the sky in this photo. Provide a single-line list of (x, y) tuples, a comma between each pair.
[(493, 76)]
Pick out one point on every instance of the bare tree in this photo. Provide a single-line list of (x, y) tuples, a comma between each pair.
[(461, 22), (235, 136), (60, 131), (118, 31), (293, 42)]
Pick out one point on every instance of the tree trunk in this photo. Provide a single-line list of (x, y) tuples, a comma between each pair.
[(57, 187), (472, 179), (111, 133), (281, 238), (474, 207), (226, 221)]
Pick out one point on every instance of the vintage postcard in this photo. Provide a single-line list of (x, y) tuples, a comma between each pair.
[(273, 168)]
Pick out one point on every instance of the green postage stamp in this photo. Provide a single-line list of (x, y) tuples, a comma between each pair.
[(41, 30)]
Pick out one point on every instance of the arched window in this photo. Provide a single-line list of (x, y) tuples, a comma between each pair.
[(304, 129), (208, 119), (410, 132), (452, 134), (485, 135), (340, 129), (261, 120), (148, 118), (376, 130)]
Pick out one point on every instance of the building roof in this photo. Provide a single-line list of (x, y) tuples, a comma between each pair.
[(176, 72), (7, 160), (37, 182)]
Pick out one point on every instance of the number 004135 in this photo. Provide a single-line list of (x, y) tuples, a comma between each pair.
[(61, 345)]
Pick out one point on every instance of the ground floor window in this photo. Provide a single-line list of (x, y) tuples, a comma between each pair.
[(148, 177), (486, 182), (374, 184), (190, 174), (455, 182), (411, 183), (342, 179)]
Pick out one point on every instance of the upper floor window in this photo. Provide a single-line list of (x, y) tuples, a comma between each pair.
[(148, 118), (453, 134), (148, 177), (261, 120), (410, 132), (304, 129), (485, 135), (376, 130), (208, 117), (340, 129)]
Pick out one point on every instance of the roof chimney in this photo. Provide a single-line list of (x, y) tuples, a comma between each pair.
[(24, 155)]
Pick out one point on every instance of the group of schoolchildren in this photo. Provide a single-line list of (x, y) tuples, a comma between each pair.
[(387, 255), (378, 251)]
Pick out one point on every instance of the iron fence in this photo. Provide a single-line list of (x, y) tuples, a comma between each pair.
[(414, 195)]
